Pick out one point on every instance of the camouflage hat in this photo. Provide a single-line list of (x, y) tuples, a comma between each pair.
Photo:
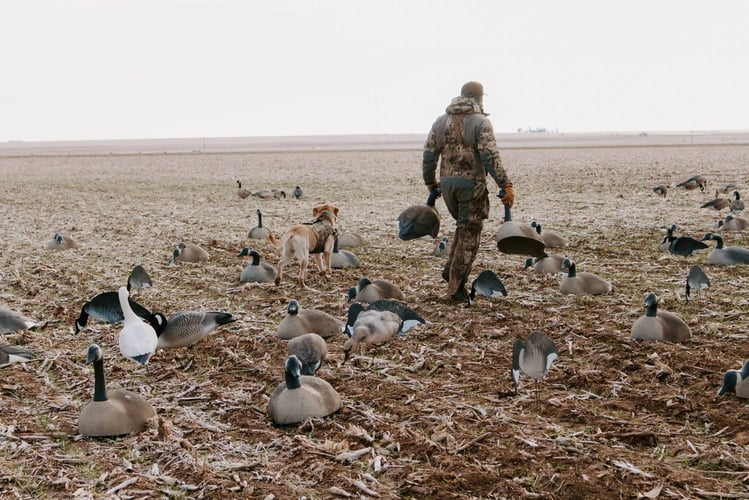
[(472, 89)]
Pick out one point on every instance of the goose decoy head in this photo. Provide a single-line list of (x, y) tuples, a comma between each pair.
[(293, 371), (651, 304), (351, 316), (569, 267), (293, 307), (730, 380), (93, 353)]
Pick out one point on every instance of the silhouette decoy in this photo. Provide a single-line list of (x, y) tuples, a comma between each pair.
[(420, 220), (696, 280), (736, 381), (725, 256), (488, 284), (258, 232), (533, 357), (659, 325), (138, 279), (717, 203)]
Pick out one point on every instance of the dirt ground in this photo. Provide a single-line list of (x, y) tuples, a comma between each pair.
[(431, 415)]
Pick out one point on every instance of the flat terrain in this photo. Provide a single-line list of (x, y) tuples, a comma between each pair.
[(434, 411)]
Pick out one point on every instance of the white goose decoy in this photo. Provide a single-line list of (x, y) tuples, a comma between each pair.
[(582, 283), (256, 271), (533, 357), (138, 339), (11, 321), (341, 259), (115, 412), (259, 232), (301, 396), (725, 256), (186, 328), (659, 325), (14, 354), (311, 350), (736, 381), (299, 321)]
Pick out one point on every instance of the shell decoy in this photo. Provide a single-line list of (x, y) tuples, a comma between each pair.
[(138, 279), (61, 242), (661, 190), (371, 327), (488, 284), (696, 280), (420, 220), (311, 349), (299, 321), (256, 271), (659, 325), (189, 252), (549, 263), (369, 291), (725, 256), (409, 318), (258, 232), (241, 192), (584, 283), (736, 381), (552, 239), (697, 181), (733, 224), (342, 259), (297, 193)]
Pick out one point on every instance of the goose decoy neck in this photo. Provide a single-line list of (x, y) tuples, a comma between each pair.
[(364, 282), (651, 305), (335, 241), (259, 218), (718, 239), (100, 386), (730, 379), (433, 195), (293, 370), (255, 258), (570, 267), (517, 348), (537, 226), (508, 213), (351, 293)]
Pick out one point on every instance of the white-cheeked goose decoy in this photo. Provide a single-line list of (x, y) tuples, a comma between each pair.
[(342, 259), (369, 291), (659, 325), (256, 271), (584, 283), (533, 357), (736, 381), (299, 321), (186, 328), (725, 256), (189, 252), (14, 354), (311, 349), (696, 280), (371, 327), (61, 242), (488, 284), (258, 232)]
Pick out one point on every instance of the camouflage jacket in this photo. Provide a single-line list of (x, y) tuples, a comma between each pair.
[(464, 138)]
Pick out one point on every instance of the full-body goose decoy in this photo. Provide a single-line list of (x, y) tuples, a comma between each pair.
[(552, 239), (488, 284), (186, 328), (533, 357), (14, 354), (369, 291), (736, 381), (349, 239), (138, 339), (301, 396), (106, 307), (698, 181), (420, 220), (256, 271), (661, 190), (550, 263), (518, 239), (189, 252), (409, 318), (659, 325), (311, 350), (270, 194), (371, 327), (341, 259), (682, 245), (737, 204), (733, 224), (259, 232), (696, 280), (60, 242), (725, 256), (241, 192), (582, 283), (299, 321), (717, 203), (138, 279), (114, 412), (11, 321)]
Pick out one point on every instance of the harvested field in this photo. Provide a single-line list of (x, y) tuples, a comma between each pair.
[(429, 415)]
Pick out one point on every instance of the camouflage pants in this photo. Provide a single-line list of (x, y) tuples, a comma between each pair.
[(468, 203)]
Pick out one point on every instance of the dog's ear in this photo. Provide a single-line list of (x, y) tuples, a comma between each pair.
[(316, 211), (335, 210)]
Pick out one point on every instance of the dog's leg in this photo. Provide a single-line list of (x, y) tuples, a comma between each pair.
[(286, 258)]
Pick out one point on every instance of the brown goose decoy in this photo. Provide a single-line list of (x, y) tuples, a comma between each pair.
[(698, 181), (733, 224), (661, 190), (552, 239), (420, 220), (61, 242), (737, 204), (659, 325), (299, 321), (584, 283), (189, 252), (311, 349), (696, 280), (549, 263), (717, 203), (369, 291), (256, 271)]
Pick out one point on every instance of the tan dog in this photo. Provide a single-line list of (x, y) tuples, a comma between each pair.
[(314, 238)]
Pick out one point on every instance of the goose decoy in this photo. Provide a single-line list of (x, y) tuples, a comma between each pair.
[(349, 239), (369, 291), (297, 193), (552, 239), (256, 271), (60, 242), (442, 248), (258, 232), (186, 328), (311, 350), (661, 190), (420, 220), (11, 321), (549, 263), (106, 307), (269, 194), (717, 203), (371, 327), (659, 325), (299, 321), (725, 256), (488, 284), (683, 245), (696, 280), (518, 239), (533, 357), (726, 188), (733, 224), (736, 381), (14, 354), (409, 318), (115, 412), (189, 252), (584, 283), (241, 192), (341, 259), (301, 396), (698, 181), (138, 279), (138, 339), (737, 204)]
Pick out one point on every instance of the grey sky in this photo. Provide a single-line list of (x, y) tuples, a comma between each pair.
[(109, 69)]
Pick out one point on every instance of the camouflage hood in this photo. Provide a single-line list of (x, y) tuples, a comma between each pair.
[(462, 105)]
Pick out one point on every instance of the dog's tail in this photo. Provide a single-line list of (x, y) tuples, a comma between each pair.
[(273, 240)]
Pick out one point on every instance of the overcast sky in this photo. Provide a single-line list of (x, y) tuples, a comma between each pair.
[(111, 69)]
